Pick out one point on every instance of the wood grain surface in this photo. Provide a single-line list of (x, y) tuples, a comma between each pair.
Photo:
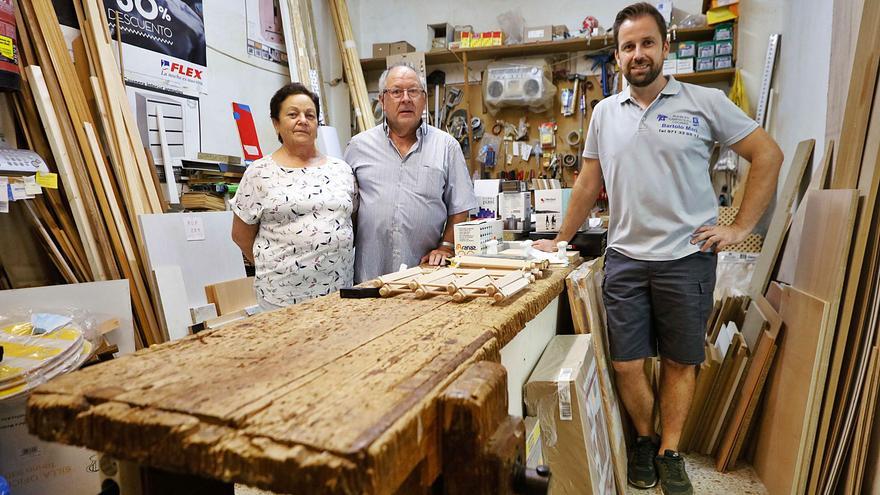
[(329, 396)]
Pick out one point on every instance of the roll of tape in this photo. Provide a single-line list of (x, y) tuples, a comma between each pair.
[(569, 160), (573, 138)]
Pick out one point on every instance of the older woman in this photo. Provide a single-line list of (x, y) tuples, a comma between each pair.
[(293, 209)]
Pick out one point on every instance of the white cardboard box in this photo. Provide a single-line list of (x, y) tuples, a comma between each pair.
[(548, 222), (552, 200), (514, 209), (34, 467), (471, 237)]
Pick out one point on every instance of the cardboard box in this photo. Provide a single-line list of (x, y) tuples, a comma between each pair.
[(471, 237), (440, 35), (381, 50), (515, 209), (684, 65), (670, 66), (552, 200), (560, 32), (723, 32), (704, 64), (486, 191), (458, 32), (534, 455), (548, 222), (705, 49), (723, 47), (497, 38), (687, 49), (723, 62), (400, 47), (564, 393), (34, 467), (536, 34)]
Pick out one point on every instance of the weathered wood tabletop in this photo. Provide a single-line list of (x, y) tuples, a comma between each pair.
[(329, 396)]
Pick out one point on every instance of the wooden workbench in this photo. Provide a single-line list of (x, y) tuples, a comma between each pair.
[(329, 396)]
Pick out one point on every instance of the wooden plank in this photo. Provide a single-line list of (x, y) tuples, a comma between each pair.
[(780, 220), (65, 169), (705, 379), (66, 93), (753, 384), (856, 456), (852, 306), (126, 254), (54, 253), (323, 402), (824, 249), (784, 435), (232, 295), (839, 448), (788, 261), (859, 100), (32, 127)]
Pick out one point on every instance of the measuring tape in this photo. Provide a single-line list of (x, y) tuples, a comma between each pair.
[(767, 79)]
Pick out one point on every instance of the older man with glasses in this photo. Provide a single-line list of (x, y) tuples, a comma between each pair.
[(413, 183)]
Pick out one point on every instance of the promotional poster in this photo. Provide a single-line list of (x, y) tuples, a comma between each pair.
[(163, 43)]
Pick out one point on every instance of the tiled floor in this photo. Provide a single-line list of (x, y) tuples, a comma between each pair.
[(701, 469)]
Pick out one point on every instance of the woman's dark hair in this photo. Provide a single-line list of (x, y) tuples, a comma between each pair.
[(635, 11), (282, 94)]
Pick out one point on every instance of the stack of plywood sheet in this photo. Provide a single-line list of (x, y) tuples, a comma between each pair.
[(819, 421)]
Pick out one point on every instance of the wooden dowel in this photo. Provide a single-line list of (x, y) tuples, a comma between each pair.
[(495, 285), (509, 290)]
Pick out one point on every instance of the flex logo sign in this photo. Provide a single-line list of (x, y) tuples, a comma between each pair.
[(180, 70)]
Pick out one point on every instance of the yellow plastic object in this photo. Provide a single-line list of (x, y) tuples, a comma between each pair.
[(722, 14), (738, 93)]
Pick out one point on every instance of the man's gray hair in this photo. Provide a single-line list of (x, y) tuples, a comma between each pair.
[(384, 75)]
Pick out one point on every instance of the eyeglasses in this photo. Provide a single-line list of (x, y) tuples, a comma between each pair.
[(397, 93)]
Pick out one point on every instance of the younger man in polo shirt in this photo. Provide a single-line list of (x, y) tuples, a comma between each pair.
[(651, 144)]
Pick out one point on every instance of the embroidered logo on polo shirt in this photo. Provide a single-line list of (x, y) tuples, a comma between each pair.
[(680, 124)]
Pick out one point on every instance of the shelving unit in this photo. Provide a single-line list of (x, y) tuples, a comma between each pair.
[(532, 49), (560, 47)]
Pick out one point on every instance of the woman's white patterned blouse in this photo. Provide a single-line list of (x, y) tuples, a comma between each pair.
[(305, 245)]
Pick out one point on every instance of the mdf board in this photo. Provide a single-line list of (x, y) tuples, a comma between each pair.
[(787, 426), (232, 295), (854, 306), (173, 301), (788, 261), (780, 221), (824, 245), (204, 252)]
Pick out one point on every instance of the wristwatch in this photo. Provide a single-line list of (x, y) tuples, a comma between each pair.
[(447, 244)]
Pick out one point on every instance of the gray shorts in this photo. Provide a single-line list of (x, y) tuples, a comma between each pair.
[(658, 306)]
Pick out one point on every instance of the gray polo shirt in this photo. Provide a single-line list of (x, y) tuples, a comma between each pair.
[(655, 163), (404, 201)]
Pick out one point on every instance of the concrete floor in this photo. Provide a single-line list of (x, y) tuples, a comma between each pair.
[(701, 469)]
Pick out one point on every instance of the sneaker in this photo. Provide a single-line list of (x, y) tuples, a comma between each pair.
[(640, 471), (673, 477)]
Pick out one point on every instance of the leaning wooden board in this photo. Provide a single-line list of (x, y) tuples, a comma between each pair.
[(329, 396)]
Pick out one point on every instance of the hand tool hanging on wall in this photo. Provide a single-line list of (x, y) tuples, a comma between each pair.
[(604, 60), (453, 98), (437, 78)]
